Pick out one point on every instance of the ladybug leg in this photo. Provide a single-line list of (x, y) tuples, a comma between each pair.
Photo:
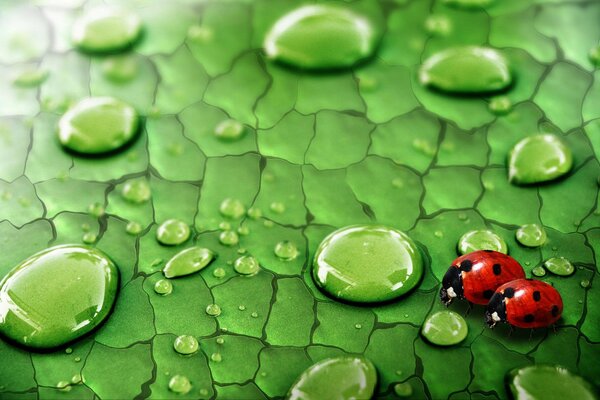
[(511, 330), (468, 308), (531, 333), (554, 328)]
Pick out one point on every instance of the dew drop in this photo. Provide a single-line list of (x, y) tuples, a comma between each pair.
[(444, 328), (89, 238), (242, 307), (243, 230), (133, 228), (232, 208), (403, 389), (136, 191), (438, 25), (186, 344), (246, 265), (216, 357), (229, 130), (594, 55), (188, 261), (224, 226), (213, 310), (180, 384), (229, 238), (219, 273), (254, 213), (481, 239), (277, 207), (172, 232), (64, 386), (199, 34), (500, 105), (539, 158), (585, 283), (286, 250), (96, 210), (163, 287), (120, 69), (559, 266), (357, 326), (106, 29), (254, 314), (31, 77), (220, 340), (547, 381), (531, 235)]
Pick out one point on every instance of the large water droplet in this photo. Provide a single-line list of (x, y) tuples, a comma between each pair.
[(98, 125), (531, 235), (559, 266), (481, 239), (548, 382), (539, 158), (246, 265), (57, 295), (173, 232), (31, 77), (136, 191), (320, 37), (180, 384), (188, 261), (120, 69), (106, 29), (348, 377), (286, 250), (467, 69), (367, 263), (445, 328), (186, 344)]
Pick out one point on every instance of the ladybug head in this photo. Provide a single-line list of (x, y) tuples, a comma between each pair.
[(452, 286), (496, 310)]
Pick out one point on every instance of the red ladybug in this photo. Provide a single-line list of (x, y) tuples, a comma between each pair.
[(477, 275), (524, 303)]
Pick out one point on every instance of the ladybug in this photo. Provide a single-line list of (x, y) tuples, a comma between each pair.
[(477, 275), (525, 303)]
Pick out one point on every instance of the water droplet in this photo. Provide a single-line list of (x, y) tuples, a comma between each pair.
[(216, 357), (424, 146), (397, 183), (136, 191), (89, 238), (163, 287), (230, 130), (188, 261), (133, 228), (559, 266), (403, 389), (246, 265), (321, 37), (180, 384), (254, 213), (500, 105), (64, 386), (357, 326), (528, 263), (268, 223), (531, 235), (31, 77), (286, 250), (547, 382), (186, 344), (85, 227), (438, 234), (232, 208), (156, 262), (346, 377), (229, 238), (203, 392), (220, 340), (121, 68), (277, 207), (106, 29), (367, 83), (395, 264), (438, 25), (554, 248), (585, 283), (77, 359), (98, 125), (172, 232), (96, 210), (444, 328), (224, 226), (242, 307), (68, 350), (199, 34), (462, 216), (243, 230), (254, 314), (481, 239), (219, 273), (467, 69), (40, 310), (539, 158), (76, 379), (213, 310)]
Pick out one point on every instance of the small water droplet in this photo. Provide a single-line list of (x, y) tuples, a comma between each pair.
[(246, 265), (243, 230), (398, 183), (277, 207), (242, 307), (254, 213), (77, 359), (594, 55), (254, 314), (286, 250), (180, 384), (220, 340), (224, 226), (186, 344), (136, 191), (121, 68), (219, 273), (199, 34), (232, 208), (76, 379), (229, 130), (585, 283), (357, 326), (531, 235), (403, 389), (68, 350), (216, 357), (438, 25), (133, 228), (172, 232), (438, 234), (559, 266), (213, 310), (163, 287), (30, 77), (188, 261), (500, 105), (89, 238), (85, 227), (462, 216), (229, 238), (96, 210), (64, 386)]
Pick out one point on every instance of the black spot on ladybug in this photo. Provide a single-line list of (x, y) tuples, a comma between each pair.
[(537, 296), (528, 318), (554, 310), (466, 265), (509, 292), (497, 268), (487, 294)]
